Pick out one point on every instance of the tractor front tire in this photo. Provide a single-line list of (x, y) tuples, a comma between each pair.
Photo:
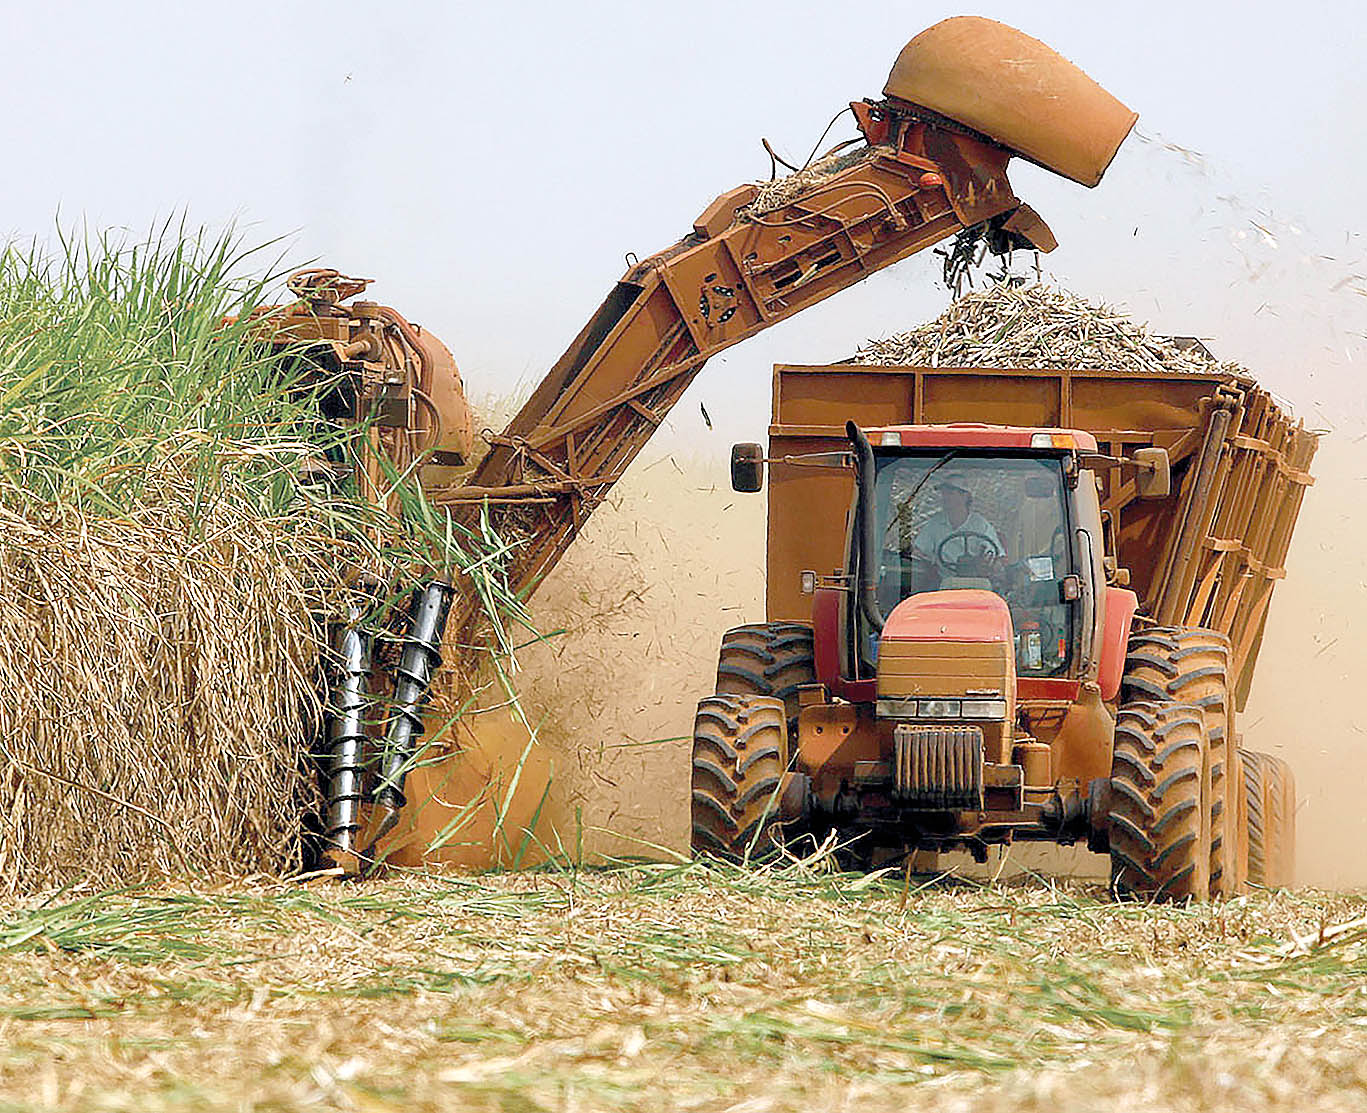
[(1160, 803), (740, 756), (767, 659)]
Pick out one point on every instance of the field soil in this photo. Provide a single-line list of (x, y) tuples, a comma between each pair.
[(681, 986)]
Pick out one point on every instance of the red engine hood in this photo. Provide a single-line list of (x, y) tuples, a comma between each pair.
[(960, 614)]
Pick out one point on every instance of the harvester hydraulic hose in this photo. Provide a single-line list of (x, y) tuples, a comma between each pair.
[(346, 730), (418, 663), (868, 558)]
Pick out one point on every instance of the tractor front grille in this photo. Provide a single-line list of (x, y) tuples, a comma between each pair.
[(938, 767)]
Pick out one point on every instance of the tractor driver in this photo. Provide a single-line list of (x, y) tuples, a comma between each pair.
[(957, 541)]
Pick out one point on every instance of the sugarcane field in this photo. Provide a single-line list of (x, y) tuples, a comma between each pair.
[(462, 646)]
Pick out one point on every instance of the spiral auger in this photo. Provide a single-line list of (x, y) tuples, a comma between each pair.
[(346, 737), (419, 660)]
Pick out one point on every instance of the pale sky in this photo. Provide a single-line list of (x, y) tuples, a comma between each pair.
[(491, 165)]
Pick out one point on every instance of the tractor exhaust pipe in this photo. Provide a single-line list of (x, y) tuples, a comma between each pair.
[(418, 663), (346, 735), (864, 526)]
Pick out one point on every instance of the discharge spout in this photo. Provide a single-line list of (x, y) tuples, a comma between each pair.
[(1015, 91)]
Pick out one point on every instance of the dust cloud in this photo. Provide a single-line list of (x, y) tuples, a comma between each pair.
[(1309, 698), (633, 616)]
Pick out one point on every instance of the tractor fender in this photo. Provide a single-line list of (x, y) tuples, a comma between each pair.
[(1115, 637)]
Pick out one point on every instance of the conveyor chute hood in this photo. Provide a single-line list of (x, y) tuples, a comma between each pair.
[(1014, 90)]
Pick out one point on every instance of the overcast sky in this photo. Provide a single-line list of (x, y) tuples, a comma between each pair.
[(490, 165)]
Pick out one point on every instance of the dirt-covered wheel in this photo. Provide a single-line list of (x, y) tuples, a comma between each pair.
[(1159, 803), (1281, 815), (767, 659), (1190, 665), (1237, 800), (1270, 794), (740, 756), (1255, 812)]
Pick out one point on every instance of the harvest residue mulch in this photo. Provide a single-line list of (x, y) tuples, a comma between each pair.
[(682, 986)]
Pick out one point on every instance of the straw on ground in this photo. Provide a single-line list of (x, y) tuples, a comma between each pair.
[(680, 986)]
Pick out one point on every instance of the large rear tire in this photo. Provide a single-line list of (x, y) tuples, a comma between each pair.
[(767, 659), (1190, 665), (1255, 808), (740, 755), (1160, 803), (1281, 810), (1271, 796)]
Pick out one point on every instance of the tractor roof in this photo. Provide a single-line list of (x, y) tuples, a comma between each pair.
[(966, 434)]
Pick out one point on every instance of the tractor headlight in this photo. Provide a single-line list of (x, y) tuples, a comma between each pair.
[(984, 709), (941, 709), (896, 708)]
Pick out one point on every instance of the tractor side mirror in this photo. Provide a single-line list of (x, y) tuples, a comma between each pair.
[(747, 467), (1153, 473)]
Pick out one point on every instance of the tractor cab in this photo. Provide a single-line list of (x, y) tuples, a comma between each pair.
[(972, 509)]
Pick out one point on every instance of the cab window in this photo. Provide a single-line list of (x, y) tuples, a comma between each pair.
[(995, 522)]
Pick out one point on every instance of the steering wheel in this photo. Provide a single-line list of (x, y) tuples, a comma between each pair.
[(968, 564)]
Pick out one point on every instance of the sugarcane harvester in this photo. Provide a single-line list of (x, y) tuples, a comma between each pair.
[(401, 387), (963, 98)]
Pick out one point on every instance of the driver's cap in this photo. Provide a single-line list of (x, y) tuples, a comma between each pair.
[(953, 478)]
